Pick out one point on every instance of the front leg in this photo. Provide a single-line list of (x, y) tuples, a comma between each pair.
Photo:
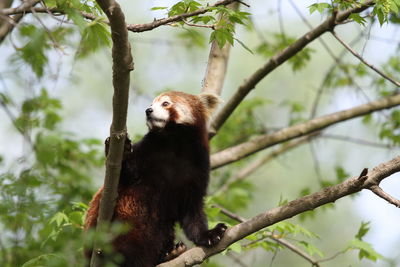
[(128, 175), (194, 225)]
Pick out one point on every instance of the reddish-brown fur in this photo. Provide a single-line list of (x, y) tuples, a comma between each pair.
[(163, 181)]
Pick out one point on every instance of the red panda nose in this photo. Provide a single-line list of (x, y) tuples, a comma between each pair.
[(149, 111)]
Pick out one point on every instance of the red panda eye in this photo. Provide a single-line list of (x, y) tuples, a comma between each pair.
[(165, 104)]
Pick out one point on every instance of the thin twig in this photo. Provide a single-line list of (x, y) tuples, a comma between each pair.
[(270, 235), (252, 167), (230, 214), (380, 193), (326, 79), (364, 61), (131, 27), (295, 250), (198, 25), (236, 259), (356, 141), (317, 164)]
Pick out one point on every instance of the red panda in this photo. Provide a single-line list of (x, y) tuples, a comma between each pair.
[(163, 181)]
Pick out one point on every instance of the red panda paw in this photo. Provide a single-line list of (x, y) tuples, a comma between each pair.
[(179, 248), (213, 236), (127, 146)]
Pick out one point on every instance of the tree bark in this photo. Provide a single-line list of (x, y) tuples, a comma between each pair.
[(122, 66), (258, 143), (330, 194)]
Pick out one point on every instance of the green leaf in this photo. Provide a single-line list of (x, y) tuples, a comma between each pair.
[(158, 8), (236, 247), (357, 18), (320, 7), (365, 250), (94, 36), (33, 52), (363, 230), (341, 174), (59, 218)]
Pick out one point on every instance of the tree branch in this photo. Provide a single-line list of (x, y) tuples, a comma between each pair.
[(217, 64), (380, 193), (393, 81), (281, 57), (276, 238), (8, 23), (131, 27), (330, 194), (176, 18), (255, 165), (122, 66), (256, 144)]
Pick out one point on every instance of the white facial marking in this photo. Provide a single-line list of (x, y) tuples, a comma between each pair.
[(185, 115), (160, 116)]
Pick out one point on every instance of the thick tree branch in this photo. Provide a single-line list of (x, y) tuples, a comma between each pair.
[(281, 57), (122, 66), (7, 24), (270, 235), (256, 144), (217, 64), (330, 194), (216, 68), (357, 55), (23, 8)]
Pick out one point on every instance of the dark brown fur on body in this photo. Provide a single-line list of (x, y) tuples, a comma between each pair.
[(163, 180)]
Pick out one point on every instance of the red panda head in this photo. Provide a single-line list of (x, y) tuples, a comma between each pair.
[(181, 108)]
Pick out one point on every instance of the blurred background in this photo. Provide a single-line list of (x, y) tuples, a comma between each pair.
[(79, 91)]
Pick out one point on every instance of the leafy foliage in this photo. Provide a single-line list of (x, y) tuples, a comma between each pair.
[(42, 194), (365, 249), (34, 195), (280, 42), (244, 115)]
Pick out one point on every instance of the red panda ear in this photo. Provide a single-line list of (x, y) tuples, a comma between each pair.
[(210, 101)]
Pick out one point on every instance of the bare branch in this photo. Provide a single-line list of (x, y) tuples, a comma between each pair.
[(330, 194), (256, 144), (326, 79), (281, 57), (252, 167), (364, 61), (230, 214), (295, 249), (380, 193), (52, 11), (356, 141), (122, 66)]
